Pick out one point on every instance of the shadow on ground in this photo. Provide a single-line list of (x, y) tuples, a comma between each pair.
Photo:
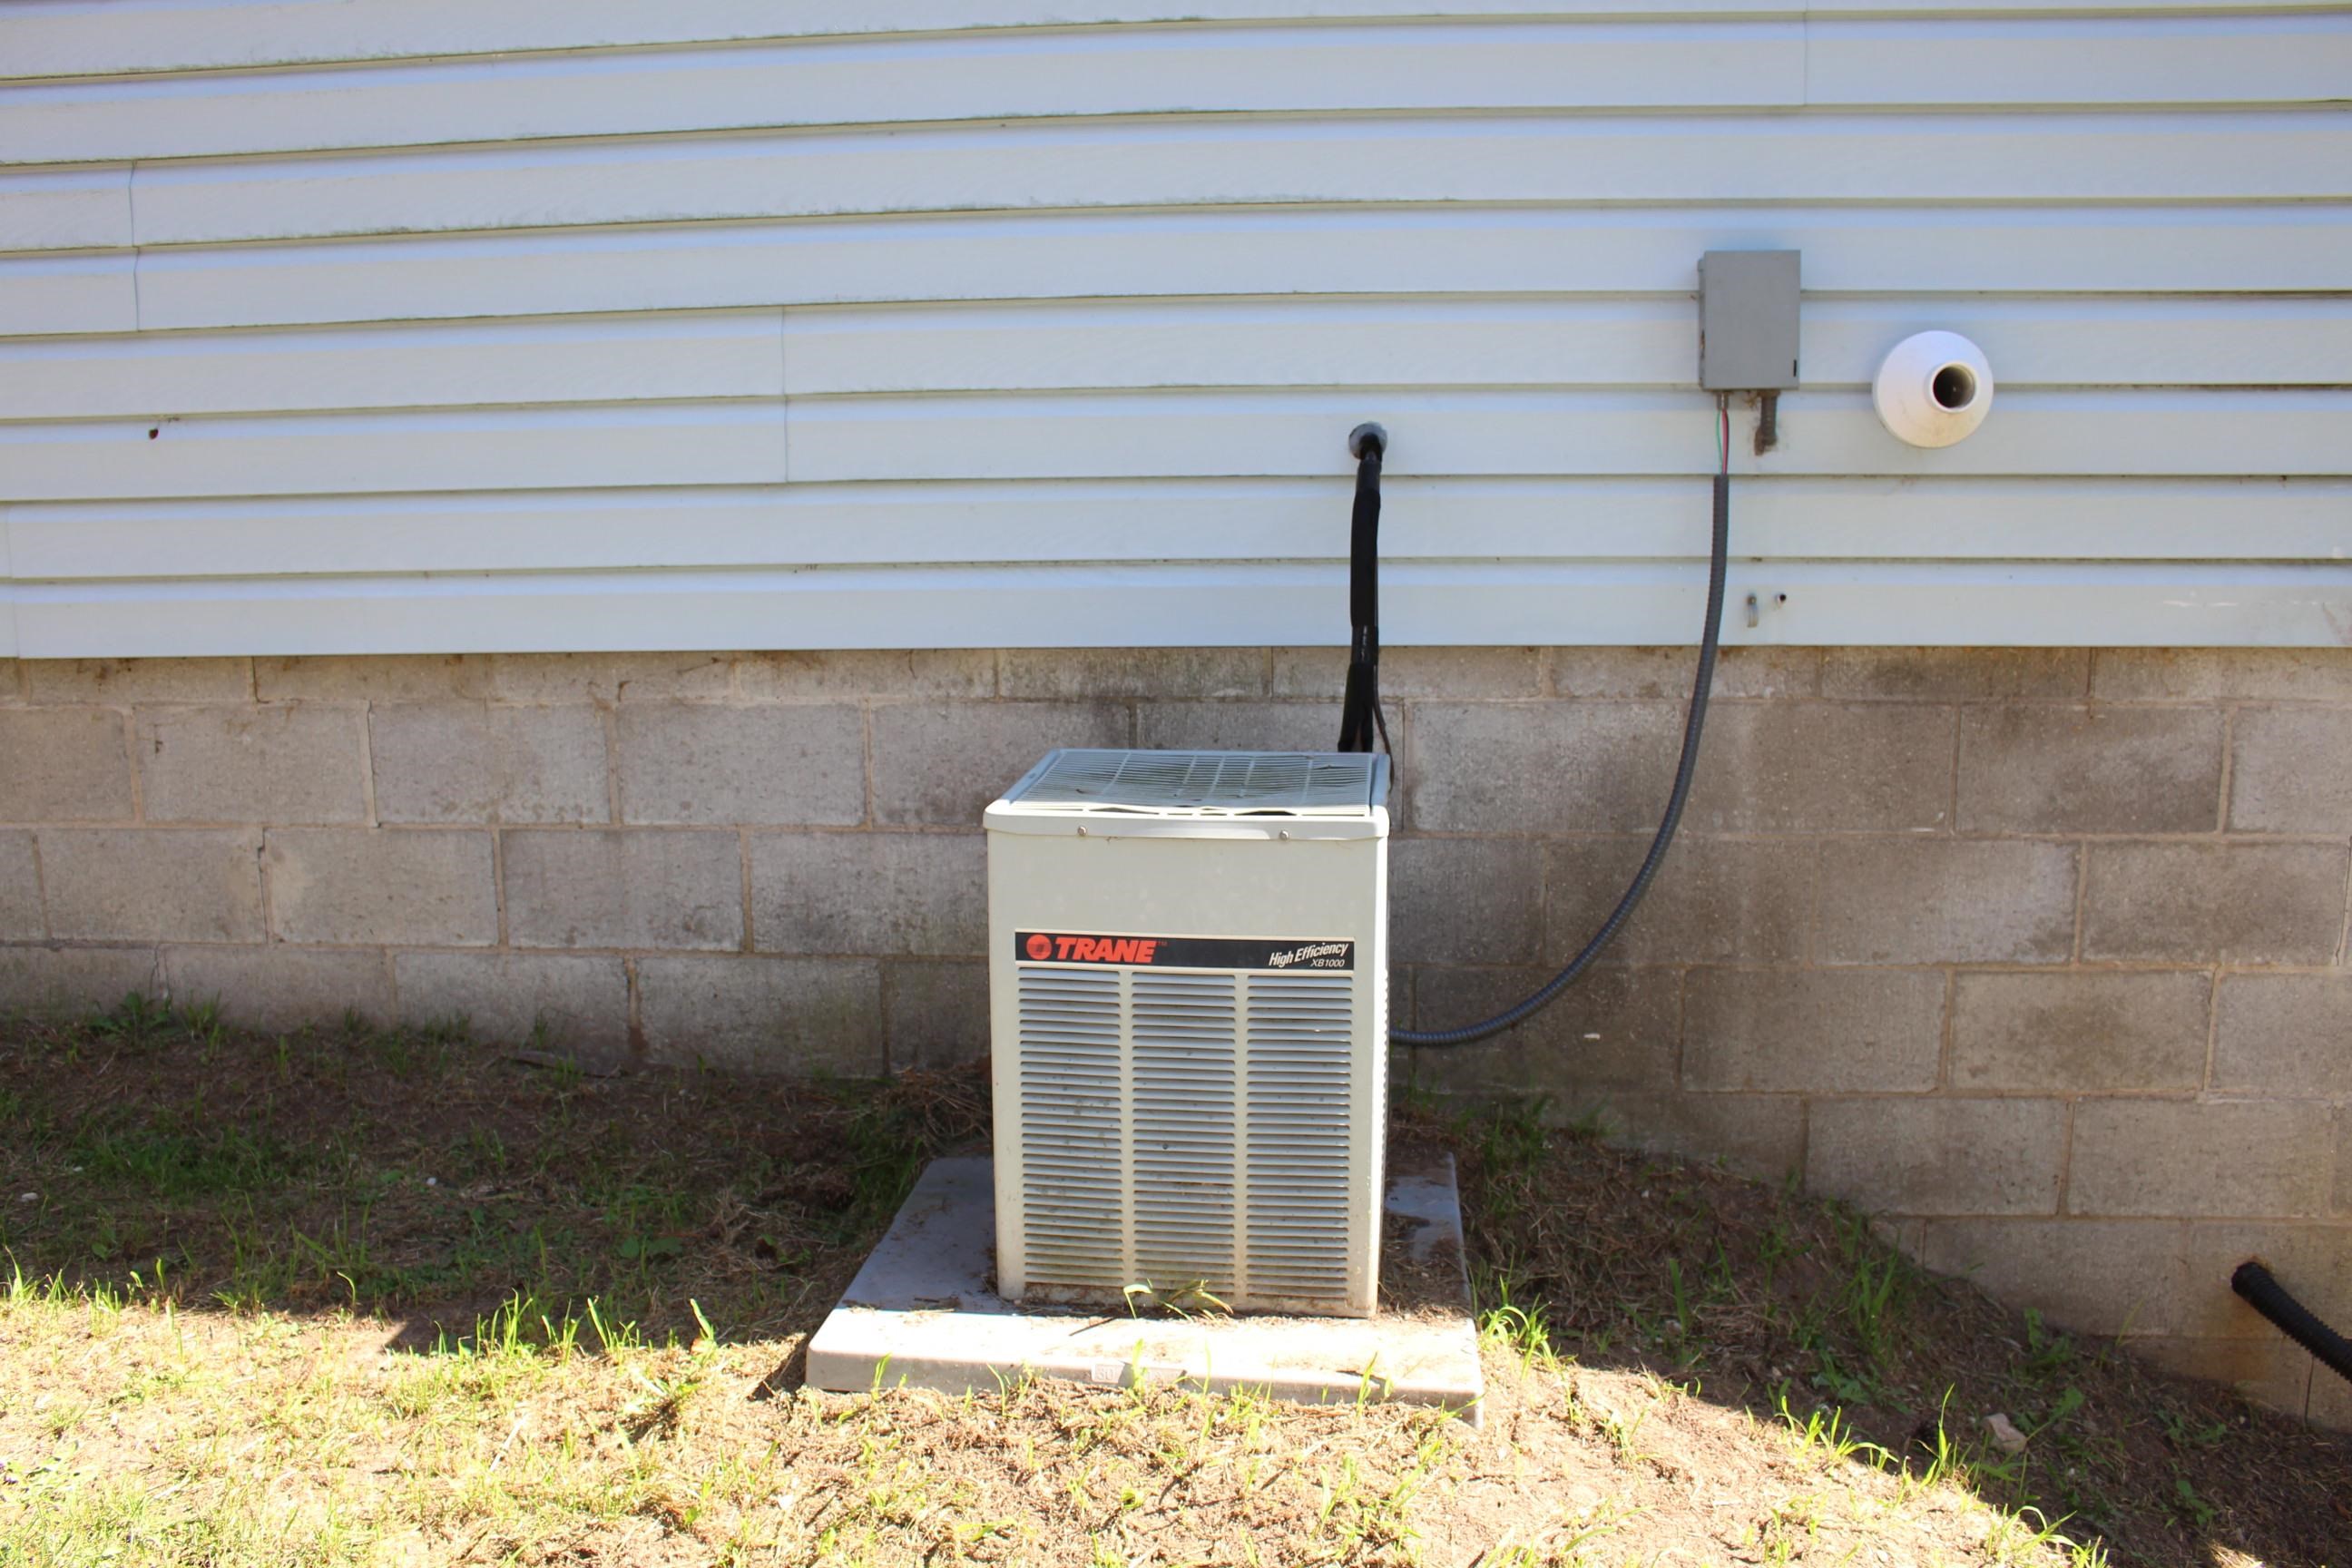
[(419, 1179)]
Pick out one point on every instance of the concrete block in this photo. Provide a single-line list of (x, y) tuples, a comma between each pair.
[(1410, 673), (279, 988), (1943, 901), (689, 763), (2267, 1158), (1248, 727), (2288, 1036), (1760, 1135), (606, 678), (869, 893), (936, 1013), (1464, 900), (72, 982), (763, 1015), (2203, 674), (2061, 768), (131, 884), (453, 762), (1953, 674), (1792, 767), (2343, 1162), (2313, 1261), (1541, 767), (20, 890), (426, 887), (840, 675), (2079, 1031), (401, 677), (295, 764), (575, 1001), (122, 680), (2274, 1371), (1713, 900), (2238, 903), (941, 764), (65, 765), (624, 888), (2288, 774), (1613, 1029), (2094, 1276), (1818, 1031), (1665, 674), (1932, 1155), (1093, 674)]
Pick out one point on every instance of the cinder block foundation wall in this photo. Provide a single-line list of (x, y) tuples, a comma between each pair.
[(2041, 953)]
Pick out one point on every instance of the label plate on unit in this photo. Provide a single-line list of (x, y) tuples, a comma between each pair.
[(1180, 952)]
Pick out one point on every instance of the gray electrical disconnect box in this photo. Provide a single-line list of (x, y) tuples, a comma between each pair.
[(1747, 321)]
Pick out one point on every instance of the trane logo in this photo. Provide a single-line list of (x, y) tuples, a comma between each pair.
[(1182, 951)]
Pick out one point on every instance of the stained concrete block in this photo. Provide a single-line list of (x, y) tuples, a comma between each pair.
[(1713, 900), (1820, 1031), (448, 761), (2238, 903), (574, 1002), (2284, 1035), (394, 678), (2080, 1031), (134, 884), (1464, 900), (634, 887), (280, 988), (1666, 674), (1793, 767), (2069, 768), (1932, 1155), (935, 1011), (294, 764), (1246, 727), (44, 981), (725, 765), (763, 1015), (1760, 1135), (421, 885), (2288, 772), (939, 765), (1613, 1029), (845, 674), (1953, 674), (63, 765), (2274, 1372), (2188, 1157), (2203, 674), (123, 680), (2094, 1276), (1942, 900), (2313, 1261), (1411, 674), (1163, 674), (1541, 767), (606, 678), (895, 893), (20, 890)]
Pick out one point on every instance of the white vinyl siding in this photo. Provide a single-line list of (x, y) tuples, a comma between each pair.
[(416, 325)]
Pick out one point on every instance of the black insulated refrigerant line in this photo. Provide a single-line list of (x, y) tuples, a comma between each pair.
[(2292, 1319), (1360, 709)]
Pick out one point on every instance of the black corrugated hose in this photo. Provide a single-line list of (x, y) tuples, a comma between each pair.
[(2295, 1321), (1365, 563)]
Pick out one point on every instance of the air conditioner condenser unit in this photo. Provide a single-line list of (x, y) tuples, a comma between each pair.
[(1188, 978)]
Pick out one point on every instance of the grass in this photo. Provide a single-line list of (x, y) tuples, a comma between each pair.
[(349, 1297)]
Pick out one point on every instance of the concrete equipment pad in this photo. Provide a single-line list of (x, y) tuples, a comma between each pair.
[(923, 1312)]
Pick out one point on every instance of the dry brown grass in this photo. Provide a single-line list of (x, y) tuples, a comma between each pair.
[(339, 1362)]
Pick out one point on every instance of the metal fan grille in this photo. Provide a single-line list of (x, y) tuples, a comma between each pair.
[(1205, 783)]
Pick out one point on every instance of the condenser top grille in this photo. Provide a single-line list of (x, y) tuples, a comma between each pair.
[(1324, 785)]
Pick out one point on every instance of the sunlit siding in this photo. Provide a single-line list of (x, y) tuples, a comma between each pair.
[(412, 325)]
